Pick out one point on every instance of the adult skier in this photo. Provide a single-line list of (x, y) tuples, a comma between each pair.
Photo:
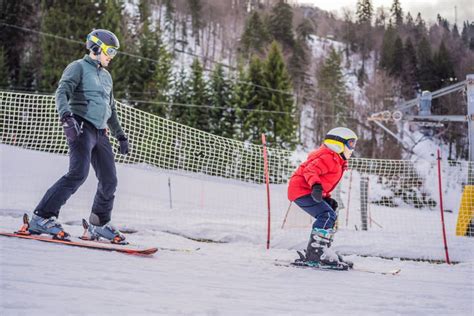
[(86, 107), (310, 188)]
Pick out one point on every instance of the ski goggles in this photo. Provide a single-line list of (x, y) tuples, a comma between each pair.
[(110, 51), (351, 143)]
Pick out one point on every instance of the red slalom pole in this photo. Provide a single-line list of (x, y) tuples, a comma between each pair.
[(441, 208), (267, 181)]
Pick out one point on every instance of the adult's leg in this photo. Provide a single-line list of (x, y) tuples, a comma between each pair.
[(104, 165), (79, 162)]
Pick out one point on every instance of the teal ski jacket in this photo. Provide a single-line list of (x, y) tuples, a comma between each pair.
[(85, 89)]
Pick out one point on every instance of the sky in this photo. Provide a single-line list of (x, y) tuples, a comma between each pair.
[(428, 8)]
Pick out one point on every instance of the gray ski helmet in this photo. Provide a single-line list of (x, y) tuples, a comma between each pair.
[(103, 41)]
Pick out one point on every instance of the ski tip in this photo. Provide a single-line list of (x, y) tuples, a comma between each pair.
[(147, 252)]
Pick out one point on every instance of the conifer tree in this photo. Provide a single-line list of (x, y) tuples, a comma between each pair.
[(234, 119), (298, 62), (380, 19), (169, 15), (279, 98), (255, 121), (397, 13), (455, 31), (58, 53), (119, 67), (444, 67), (16, 43), (3, 69), (331, 88), (425, 65), (349, 34), (138, 73), (255, 36), (158, 86), (195, 8), (410, 70), (304, 30), (170, 22), (364, 38), (148, 75), (153, 72), (280, 23), (420, 28), (219, 98), (388, 46), (364, 12), (198, 98), (467, 35), (396, 65), (409, 22), (178, 111)]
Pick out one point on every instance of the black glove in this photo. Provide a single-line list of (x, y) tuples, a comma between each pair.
[(332, 203), (317, 193), (71, 127), (123, 144)]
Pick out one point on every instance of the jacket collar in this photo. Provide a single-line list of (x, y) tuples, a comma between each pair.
[(338, 157), (91, 61)]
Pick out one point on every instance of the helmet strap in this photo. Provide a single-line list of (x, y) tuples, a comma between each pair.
[(96, 50)]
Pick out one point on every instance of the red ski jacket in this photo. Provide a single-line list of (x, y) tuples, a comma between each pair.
[(323, 166)]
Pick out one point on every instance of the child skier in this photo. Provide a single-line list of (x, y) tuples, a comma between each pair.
[(310, 188)]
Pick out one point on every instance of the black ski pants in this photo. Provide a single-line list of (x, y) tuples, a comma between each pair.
[(92, 147)]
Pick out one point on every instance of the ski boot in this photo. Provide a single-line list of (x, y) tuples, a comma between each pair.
[(107, 231), (318, 252), (39, 225)]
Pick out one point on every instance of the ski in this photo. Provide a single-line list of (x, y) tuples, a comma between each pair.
[(77, 242), (86, 236), (302, 265), (82, 242)]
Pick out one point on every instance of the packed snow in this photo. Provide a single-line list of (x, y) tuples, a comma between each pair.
[(234, 275)]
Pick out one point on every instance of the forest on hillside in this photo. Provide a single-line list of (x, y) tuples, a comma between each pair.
[(239, 68)]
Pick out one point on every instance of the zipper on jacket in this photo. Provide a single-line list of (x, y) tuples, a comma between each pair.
[(104, 91)]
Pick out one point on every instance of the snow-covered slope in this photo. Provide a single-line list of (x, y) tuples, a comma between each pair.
[(237, 277)]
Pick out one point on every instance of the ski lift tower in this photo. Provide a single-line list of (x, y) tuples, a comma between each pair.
[(425, 118)]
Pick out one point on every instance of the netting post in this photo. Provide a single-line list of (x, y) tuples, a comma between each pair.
[(364, 200), (348, 199), (169, 189), (267, 182), (441, 208)]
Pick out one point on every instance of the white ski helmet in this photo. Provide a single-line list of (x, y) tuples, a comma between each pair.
[(339, 137)]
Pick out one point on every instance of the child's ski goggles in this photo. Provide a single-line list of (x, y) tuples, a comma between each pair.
[(351, 143)]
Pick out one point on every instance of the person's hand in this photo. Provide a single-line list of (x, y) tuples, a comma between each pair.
[(332, 203), (317, 192), (71, 127), (123, 144)]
